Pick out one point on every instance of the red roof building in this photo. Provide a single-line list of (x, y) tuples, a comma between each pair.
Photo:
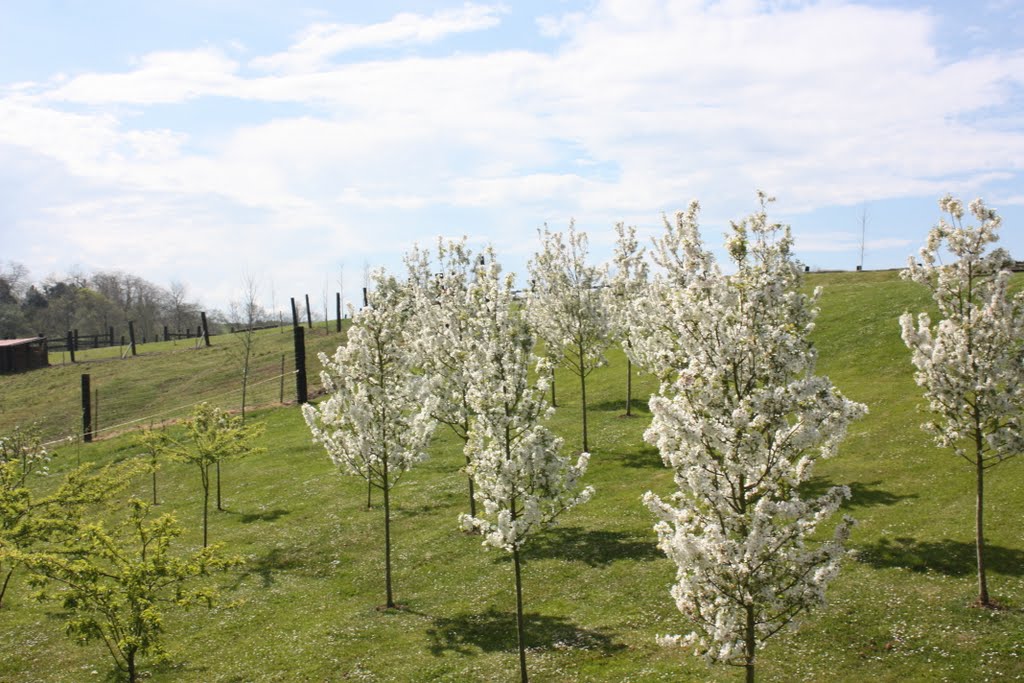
[(18, 355)]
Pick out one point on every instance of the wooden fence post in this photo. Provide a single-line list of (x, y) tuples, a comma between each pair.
[(295, 314), (71, 346), (309, 314), (366, 298), (206, 328), (301, 395), (281, 397), (131, 335), (86, 410), (166, 333), (338, 300), (110, 331)]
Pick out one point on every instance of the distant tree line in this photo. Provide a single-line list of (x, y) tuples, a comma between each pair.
[(91, 304)]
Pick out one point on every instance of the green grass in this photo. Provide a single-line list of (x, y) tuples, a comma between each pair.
[(160, 383), (596, 588)]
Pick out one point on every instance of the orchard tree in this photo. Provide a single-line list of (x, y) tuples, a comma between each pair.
[(970, 363), (521, 478), (443, 313), (376, 421), (566, 306), (117, 583), (626, 298), (29, 521), (741, 424), (212, 436)]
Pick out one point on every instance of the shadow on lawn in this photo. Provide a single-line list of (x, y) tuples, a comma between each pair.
[(644, 456), (595, 548), (952, 558), (265, 516), (495, 631), (270, 563), (639, 405), (862, 494)]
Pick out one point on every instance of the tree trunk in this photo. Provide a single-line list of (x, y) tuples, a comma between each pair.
[(369, 494), (206, 508), (554, 404), (751, 645), (979, 518), (219, 506), (520, 630), (387, 546), (583, 394), (3, 588), (132, 674), (629, 387), (472, 498)]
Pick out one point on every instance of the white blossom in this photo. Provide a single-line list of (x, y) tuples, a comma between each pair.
[(971, 362), (376, 421), (741, 418), (567, 308), (521, 478)]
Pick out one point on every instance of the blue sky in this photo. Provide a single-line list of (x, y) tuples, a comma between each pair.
[(205, 139)]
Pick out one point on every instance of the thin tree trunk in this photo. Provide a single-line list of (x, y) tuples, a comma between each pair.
[(219, 506), (629, 387), (554, 403), (472, 498), (3, 589), (979, 518), (583, 393), (520, 630), (369, 494), (751, 645), (206, 507), (132, 674), (387, 547), (154, 485)]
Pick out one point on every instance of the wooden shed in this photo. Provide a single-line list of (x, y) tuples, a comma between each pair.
[(18, 355)]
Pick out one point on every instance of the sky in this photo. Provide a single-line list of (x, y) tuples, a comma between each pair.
[(204, 141)]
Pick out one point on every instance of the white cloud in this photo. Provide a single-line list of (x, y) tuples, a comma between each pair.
[(320, 42)]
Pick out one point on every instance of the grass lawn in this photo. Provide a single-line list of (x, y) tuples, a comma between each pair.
[(596, 587)]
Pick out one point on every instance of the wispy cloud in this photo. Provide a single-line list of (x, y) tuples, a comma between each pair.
[(321, 42)]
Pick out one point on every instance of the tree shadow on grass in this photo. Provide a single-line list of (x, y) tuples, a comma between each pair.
[(494, 631), (862, 494), (639, 407), (265, 516), (952, 558), (270, 563), (645, 456), (594, 548)]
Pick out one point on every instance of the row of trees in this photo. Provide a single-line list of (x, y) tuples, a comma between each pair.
[(740, 416), (90, 303)]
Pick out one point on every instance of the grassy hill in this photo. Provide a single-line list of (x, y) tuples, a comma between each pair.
[(596, 588)]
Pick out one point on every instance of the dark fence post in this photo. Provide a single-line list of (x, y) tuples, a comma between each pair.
[(281, 398), (295, 314), (301, 395), (86, 410), (70, 343), (131, 335), (110, 331), (77, 347), (338, 300), (206, 328), (166, 334), (309, 314), (366, 298)]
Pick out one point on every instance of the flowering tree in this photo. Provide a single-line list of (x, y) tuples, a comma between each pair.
[(211, 436), (625, 297), (442, 315), (521, 478), (376, 422), (566, 306), (741, 425), (971, 363)]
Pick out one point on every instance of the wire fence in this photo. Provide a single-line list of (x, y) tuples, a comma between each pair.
[(161, 387)]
